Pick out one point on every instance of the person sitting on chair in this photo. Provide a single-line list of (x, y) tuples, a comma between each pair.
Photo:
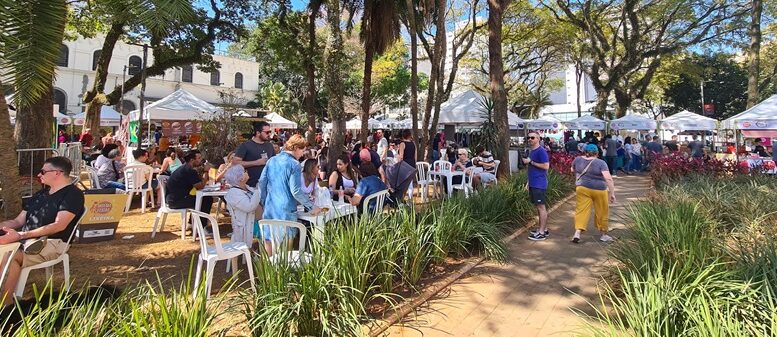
[(46, 223), (370, 183)]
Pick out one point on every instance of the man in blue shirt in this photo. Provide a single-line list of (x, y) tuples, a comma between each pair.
[(368, 185), (538, 164)]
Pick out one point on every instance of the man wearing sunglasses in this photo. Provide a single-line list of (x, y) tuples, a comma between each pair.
[(538, 164), (254, 153), (52, 212)]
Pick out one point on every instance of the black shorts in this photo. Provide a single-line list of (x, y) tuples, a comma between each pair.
[(537, 196)]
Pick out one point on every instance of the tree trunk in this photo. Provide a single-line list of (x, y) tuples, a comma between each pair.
[(578, 81), (310, 75), (334, 82), (601, 104), (497, 84), (34, 130), (440, 49), (413, 70), (623, 102), (95, 98), (369, 53), (753, 54), (9, 175)]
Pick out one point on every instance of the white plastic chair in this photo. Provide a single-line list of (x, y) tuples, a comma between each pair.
[(93, 178), (135, 176), (6, 252), (218, 252), (442, 166), (380, 200), (424, 180), (278, 239), (466, 183), (164, 210), (49, 265)]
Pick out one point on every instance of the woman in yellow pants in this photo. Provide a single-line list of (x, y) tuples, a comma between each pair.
[(595, 189)]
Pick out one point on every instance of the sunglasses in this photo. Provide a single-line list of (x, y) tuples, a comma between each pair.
[(531, 137), (43, 172)]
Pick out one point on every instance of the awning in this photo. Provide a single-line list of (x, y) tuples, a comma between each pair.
[(760, 133)]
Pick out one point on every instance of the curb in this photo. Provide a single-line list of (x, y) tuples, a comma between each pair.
[(435, 288)]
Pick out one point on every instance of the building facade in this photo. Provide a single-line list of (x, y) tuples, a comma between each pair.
[(78, 61)]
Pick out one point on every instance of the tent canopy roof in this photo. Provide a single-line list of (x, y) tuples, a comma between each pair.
[(180, 105), (277, 121), (762, 116), (633, 122), (688, 121), (587, 122), (466, 109)]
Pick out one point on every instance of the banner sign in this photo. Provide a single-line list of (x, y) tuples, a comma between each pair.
[(180, 128), (103, 212), (757, 124)]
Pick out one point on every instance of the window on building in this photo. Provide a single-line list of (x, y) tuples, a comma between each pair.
[(96, 58), (239, 80), (60, 98), (135, 65), (63, 56), (215, 78), (187, 73)]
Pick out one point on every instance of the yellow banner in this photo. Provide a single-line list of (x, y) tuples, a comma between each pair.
[(104, 208)]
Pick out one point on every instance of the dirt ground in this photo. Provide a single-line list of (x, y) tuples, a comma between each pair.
[(128, 262)]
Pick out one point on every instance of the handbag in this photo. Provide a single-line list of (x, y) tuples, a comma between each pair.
[(577, 180)]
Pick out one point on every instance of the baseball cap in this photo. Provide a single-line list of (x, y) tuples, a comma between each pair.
[(591, 148)]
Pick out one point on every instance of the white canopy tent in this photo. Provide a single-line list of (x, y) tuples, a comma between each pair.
[(180, 105), (544, 123), (633, 122), (277, 121), (762, 116), (586, 123), (466, 110), (108, 117), (688, 121)]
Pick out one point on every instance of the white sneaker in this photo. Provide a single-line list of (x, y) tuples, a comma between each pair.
[(606, 238), (615, 176)]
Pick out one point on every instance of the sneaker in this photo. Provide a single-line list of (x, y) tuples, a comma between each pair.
[(606, 238), (534, 231), (575, 240), (537, 237)]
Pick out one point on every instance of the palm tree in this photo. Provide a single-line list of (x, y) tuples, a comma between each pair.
[(31, 34), (379, 30)]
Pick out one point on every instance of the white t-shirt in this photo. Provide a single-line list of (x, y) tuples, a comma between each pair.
[(383, 147)]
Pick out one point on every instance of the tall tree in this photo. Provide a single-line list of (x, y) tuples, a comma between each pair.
[(178, 34), (496, 9), (379, 30), (626, 37), (31, 33), (411, 24), (754, 53), (334, 76)]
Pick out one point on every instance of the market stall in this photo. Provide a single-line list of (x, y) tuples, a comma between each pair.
[(180, 115), (760, 121), (633, 122), (108, 117), (277, 121), (586, 123)]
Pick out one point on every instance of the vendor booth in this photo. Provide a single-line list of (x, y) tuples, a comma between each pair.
[(108, 117), (586, 123), (688, 121), (760, 121), (180, 114), (277, 121), (633, 122)]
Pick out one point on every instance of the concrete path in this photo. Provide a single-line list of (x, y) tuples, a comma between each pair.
[(533, 294)]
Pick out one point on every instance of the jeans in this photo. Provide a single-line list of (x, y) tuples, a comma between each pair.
[(636, 163), (116, 185), (610, 163)]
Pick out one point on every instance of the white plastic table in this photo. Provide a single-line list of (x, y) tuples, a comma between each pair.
[(206, 193), (318, 221), (448, 177)]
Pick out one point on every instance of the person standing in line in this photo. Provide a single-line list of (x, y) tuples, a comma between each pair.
[(538, 164), (406, 153), (672, 145), (636, 155), (696, 148), (611, 153), (593, 182), (383, 147), (254, 153), (628, 147)]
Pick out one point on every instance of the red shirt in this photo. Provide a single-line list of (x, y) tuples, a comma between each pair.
[(86, 140)]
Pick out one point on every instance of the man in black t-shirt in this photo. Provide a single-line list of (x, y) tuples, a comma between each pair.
[(52, 212), (183, 180), (254, 153), (672, 145)]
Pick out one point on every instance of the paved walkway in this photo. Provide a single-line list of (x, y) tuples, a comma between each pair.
[(534, 292)]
